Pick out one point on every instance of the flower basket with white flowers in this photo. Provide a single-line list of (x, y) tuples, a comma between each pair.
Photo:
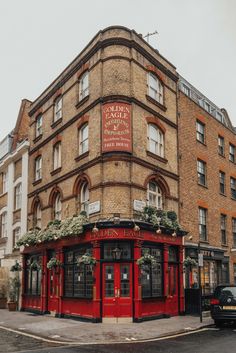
[(54, 263), (189, 262), (146, 259), (86, 259)]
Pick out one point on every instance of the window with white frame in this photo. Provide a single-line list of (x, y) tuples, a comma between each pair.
[(58, 109), (234, 231), (202, 216), (200, 130), (155, 88), (38, 168), (223, 222), (3, 224), (84, 86), (155, 140), (154, 195), (233, 187), (83, 139), (4, 182), (18, 196), (84, 197), (39, 125), (221, 145), (57, 155), (231, 153), (57, 207), (16, 235), (201, 172), (37, 216), (186, 90)]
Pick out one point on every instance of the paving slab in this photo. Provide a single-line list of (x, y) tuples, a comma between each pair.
[(69, 330)]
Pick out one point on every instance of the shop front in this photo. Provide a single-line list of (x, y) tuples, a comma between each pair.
[(116, 286)]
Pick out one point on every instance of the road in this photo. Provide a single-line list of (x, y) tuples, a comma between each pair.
[(206, 341)]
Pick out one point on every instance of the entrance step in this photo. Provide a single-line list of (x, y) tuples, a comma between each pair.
[(117, 320)]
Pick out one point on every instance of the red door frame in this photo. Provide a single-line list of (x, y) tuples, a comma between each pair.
[(173, 286), (111, 306)]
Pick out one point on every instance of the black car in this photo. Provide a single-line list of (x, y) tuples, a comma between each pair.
[(223, 304)]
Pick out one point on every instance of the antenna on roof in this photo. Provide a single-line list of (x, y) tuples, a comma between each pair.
[(150, 34)]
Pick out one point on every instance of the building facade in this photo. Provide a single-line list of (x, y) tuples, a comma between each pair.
[(207, 187), (103, 140), (14, 188)]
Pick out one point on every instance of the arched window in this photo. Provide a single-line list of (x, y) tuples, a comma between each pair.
[(155, 140), (57, 207), (37, 216), (84, 197), (154, 195), (155, 88)]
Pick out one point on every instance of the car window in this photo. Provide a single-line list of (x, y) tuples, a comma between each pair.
[(225, 291)]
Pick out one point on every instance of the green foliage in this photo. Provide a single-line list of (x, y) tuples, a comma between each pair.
[(146, 259), (86, 259), (189, 262), (53, 263), (55, 230), (14, 286), (160, 218)]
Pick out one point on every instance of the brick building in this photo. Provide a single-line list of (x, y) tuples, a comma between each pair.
[(103, 139), (207, 187), (13, 187)]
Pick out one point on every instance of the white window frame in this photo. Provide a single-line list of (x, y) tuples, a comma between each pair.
[(16, 235), (38, 168), (84, 197), (57, 207), (58, 109), (39, 125), (18, 196), (155, 88), (4, 182), (4, 224), (57, 156), (38, 216), (83, 139), (84, 86), (155, 140), (156, 195)]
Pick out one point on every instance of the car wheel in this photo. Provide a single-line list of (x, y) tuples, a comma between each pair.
[(218, 323)]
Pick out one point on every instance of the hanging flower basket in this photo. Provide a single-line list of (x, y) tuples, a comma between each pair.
[(54, 263), (34, 266), (86, 259), (146, 259), (16, 268), (189, 262)]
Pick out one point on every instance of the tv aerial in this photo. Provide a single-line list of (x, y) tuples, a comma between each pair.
[(149, 35)]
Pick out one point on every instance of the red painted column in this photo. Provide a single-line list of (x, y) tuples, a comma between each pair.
[(181, 279), (23, 279), (44, 293), (137, 281), (97, 281)]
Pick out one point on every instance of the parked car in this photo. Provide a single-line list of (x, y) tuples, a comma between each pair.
[(223, 304)]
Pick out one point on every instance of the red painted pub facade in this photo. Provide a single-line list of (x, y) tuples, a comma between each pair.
[(116, 289)]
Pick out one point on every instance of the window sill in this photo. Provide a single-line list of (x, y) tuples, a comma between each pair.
[(55, 123), (223, 194), (202, 143), (3, 194), (36, 182), (161, 106), (202, 185), (55, 171), (17, 210), (159, 158), (203, 241), (81, 156), (37, 138), (85, 99), (224, 245)]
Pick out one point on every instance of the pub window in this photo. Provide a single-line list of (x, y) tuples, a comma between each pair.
[(173, 257), (78, 280), (152, 275), (33, 275)]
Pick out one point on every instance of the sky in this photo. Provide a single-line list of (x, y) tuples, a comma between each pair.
[(38, 39)]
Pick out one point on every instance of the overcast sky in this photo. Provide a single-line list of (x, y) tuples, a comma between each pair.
[(39, 38)]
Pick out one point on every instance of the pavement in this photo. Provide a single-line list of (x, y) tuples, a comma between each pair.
[(69, 331)]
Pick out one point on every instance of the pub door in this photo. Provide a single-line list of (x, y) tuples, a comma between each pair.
[(117, 292), (53, 287), (173, 297)]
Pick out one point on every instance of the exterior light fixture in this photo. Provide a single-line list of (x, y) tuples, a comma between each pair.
[(158, 231), (95, 228), (174, 234), (116, 253), (116, 220), (136, 228)]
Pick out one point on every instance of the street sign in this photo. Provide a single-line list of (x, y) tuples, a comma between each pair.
[(200, 260)]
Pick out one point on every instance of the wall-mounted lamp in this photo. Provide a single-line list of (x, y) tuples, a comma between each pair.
[(136, 228), (95, 228), (116, 253)]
